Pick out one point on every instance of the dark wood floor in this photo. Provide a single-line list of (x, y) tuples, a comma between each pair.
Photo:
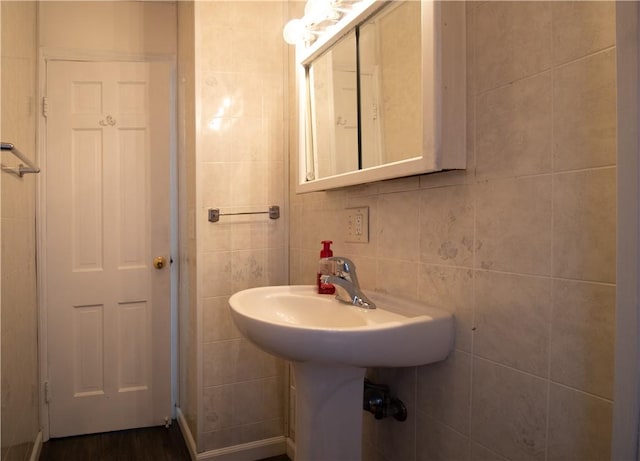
[(148, 444)]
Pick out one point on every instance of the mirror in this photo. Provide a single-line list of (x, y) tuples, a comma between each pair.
[(333, 99), (383, 95)]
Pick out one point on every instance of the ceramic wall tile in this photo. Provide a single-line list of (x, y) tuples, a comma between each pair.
[(272, 143), (514, 129), (398, 226), (581, 28), (236, 360), (584, 223), (231, 94), (579, 425), (255, 401), (451, 289), (480, 453), (370, 452), (215, 274), (513, 314), (248, 269), (438, 442), (444, 392), (236, 139), (276, 267), (447, 226), (217, 439), (369, 275), (218, 359), (584, 113), (583, 336), (221, 35), (248, 183), (217, 322), (218, 407), (509, 411), (271, 95), (397, 278), (513, 225), (260, 430), (257, 52), (512, 41), (217, 177), (215, 237)]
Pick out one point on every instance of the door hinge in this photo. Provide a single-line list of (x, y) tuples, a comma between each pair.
[(47, 396), (45, 106)]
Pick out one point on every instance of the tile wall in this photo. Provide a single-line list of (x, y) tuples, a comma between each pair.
[(18, 311), (240, 124), (187, 294), (520, 247)]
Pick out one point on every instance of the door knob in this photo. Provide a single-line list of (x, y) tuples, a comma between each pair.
[(159, 262)]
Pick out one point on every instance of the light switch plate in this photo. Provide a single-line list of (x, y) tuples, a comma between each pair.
[(357, 225)]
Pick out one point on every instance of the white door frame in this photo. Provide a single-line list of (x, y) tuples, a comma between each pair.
[(626, 408), (53, 54)]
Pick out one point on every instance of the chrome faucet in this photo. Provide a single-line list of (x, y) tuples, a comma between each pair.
[(346, 282)]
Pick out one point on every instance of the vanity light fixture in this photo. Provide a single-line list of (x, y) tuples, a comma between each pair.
[(319, 17)]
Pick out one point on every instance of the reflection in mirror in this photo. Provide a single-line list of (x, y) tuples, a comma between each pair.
[(391, 79), (382, 94), (334, 109), (387, 84)]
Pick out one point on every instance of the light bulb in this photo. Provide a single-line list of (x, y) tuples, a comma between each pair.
[(294, 31), (317, 11)]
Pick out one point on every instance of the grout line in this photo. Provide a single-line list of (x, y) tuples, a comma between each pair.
[(443, 423), (474, 302), (551, 68), (580, 391), (586, 170), (551, 252), (586, 56), (542, 378), (548, 173)]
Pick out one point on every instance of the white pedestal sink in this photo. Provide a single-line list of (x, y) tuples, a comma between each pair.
[(331, 345)]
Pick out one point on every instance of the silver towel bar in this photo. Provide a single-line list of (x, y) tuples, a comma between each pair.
[(21, 170), (214, 213)]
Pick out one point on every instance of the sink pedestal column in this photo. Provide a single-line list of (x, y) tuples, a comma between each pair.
[(328, 412)]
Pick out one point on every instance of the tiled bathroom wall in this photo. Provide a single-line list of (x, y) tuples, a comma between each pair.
[(18, 311), (240, 124), (520, 247), (187, 294)]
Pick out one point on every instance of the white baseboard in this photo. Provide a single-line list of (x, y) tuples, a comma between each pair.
[(37, 448), (186, 433), (245, 452), (291, 448)]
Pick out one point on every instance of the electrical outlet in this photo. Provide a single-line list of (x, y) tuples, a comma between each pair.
[(357, 230)]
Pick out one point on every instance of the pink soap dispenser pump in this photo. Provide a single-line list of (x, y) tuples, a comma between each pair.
[(325, 267)]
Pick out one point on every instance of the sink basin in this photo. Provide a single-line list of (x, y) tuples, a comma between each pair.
[(331, 344), (296, 323)]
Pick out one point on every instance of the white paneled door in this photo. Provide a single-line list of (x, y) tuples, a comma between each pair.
[(107, 208)]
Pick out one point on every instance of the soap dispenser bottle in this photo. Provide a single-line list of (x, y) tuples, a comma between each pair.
[(325, 267)]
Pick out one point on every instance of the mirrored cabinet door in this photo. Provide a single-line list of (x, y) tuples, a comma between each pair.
[(389, 50), (333, 91), (383, 95)]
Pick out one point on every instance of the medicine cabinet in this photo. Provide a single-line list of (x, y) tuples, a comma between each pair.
[(382, 94)]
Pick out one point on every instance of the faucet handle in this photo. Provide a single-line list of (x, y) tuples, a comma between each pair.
[(345, 269)]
